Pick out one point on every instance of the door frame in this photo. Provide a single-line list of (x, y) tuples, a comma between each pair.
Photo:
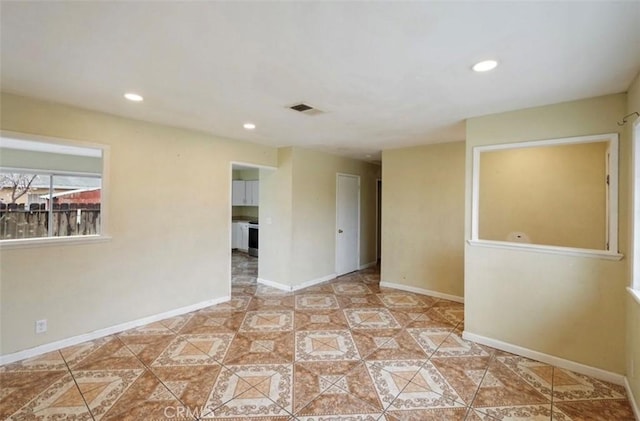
[(230, 208), (357, 177)]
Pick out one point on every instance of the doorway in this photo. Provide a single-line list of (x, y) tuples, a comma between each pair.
[(245, 200), (347, 223)]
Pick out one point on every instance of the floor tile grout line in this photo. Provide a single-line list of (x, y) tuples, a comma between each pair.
[(73, 377)]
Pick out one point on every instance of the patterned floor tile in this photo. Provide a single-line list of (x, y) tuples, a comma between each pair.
[(359, 301), (336, 403), (405, 300), (316, 302), (310, 379), (272, 303), (431, 319), (17, 388), (301, 354), (320, 320), (464, 374), (212, 322), (431, 414), (201, 349), (594, 410), (325, 345), (537, 374), (350, 288), (147, 347), (61, 400), (371, 318), (411, 385), (267, 321), (146, 398), (191, 385), (75, 354), (156, 328), (455, 346), (113, 354), (265, 290), (102, 388), (516, 413), (453, 314), (387, 344), (571, 386), (261, 348), (51, 361), (239, 303), (250, 391), (503, 391), (177, 323), (324, 288)]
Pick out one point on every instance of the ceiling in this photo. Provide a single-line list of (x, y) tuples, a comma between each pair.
[(386, 74)]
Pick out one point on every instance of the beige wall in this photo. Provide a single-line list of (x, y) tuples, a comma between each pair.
[(304, 186), (555, 195), (314, 211), (633, 307), (153, 263), (276, 220), (566, 306), (423, 217)]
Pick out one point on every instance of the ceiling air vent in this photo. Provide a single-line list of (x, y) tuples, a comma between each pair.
[(305, 109)]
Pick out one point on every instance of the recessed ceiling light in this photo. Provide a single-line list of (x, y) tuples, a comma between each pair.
[(367, 156), (133, 97), (249, 126), (485, 66)]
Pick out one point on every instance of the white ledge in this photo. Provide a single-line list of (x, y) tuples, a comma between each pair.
[(53, 241), (567, 251), (635, 294)]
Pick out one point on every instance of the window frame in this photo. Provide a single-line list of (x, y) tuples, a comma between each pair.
[(634, 282), (104, 193), (611, 254)]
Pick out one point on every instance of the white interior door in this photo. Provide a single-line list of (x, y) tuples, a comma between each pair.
[(347, 223)]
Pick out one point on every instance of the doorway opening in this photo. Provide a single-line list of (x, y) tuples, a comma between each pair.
[(244, 234)]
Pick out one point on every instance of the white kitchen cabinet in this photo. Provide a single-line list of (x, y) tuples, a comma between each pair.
[(236, 235), (252, 191), (245, 193), (244, 236), (238, 195)]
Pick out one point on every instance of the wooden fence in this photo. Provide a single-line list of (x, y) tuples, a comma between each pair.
[(15, 223)]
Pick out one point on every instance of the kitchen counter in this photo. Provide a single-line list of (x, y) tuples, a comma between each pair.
[(242, 219)]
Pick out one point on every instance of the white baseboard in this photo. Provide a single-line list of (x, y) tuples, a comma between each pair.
[(423, 291), (100, 333), (632, 399), (598, 373), (368, 265), (291, 288), (275, 285)]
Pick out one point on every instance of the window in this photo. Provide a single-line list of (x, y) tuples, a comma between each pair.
[(557, 195), (49, 189)]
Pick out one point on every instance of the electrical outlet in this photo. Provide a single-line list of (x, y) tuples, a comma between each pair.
[(41, 326)]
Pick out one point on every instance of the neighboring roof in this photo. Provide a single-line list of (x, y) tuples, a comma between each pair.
[(66, 182), (67, 193)]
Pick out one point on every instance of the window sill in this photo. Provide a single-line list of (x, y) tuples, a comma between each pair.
[(53, 241), (635, 293), (566, 251)]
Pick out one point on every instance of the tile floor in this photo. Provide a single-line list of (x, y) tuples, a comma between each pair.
[(343, 350)]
